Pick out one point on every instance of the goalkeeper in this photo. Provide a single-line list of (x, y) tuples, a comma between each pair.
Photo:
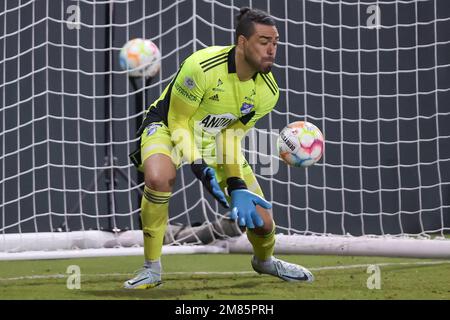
[(218, 94)]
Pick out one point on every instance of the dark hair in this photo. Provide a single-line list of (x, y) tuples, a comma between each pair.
[(246, 19)]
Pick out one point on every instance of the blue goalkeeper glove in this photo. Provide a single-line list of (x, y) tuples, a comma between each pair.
[(243, 204), (207, 176)]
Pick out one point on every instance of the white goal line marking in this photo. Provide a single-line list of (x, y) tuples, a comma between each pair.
[(343, 267)]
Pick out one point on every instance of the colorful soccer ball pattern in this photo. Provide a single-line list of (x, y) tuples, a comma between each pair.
[(140, 57), (300, 144)]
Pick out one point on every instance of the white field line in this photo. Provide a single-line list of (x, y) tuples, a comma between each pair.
[(343, 267)]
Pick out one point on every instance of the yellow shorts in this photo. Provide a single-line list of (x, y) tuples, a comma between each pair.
[(156, 140)]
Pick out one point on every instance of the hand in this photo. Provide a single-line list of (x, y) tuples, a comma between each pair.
[(243, 204), (207, 176), (211, 184)]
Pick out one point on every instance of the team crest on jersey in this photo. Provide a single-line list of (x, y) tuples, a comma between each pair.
[(151, 129), (189, 83), (246, 108)]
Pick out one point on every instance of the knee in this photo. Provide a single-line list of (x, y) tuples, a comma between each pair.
[(265, 229), (268, 225), (160, 173), (159, 182)]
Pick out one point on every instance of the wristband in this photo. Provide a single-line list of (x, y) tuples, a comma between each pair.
[(235, 183)]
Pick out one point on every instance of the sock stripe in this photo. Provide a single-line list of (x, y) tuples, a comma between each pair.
[(157, 193), (269, 234), (151, 199), (155, 198), (266, 235)]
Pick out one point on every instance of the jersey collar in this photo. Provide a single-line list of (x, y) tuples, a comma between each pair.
[(232, 62)]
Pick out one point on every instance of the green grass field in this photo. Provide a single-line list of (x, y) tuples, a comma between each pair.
[(220, 276)]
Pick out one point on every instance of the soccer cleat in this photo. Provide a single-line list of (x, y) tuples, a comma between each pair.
[(283, 270), (145, 279)]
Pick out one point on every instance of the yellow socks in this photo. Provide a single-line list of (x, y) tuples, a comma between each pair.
[(263, 246), (154, 215)]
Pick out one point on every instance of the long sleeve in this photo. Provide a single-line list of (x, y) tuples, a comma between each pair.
[(229, 148), (182, 135), (187, 93)]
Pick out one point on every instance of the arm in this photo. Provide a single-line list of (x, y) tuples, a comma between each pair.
[(178, 120), (243, 201), (188, 89), (187, 92), (229, 146)]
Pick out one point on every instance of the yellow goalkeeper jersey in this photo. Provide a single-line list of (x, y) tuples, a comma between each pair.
[(205, 98)]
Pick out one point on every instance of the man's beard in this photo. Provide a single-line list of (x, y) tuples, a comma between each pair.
[(267, 69), (255, 65)]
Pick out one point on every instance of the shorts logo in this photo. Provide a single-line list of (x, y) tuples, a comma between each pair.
[(246, 108), (151, 129), (189, 83)]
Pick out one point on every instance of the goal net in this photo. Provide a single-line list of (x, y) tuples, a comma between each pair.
[(374, 76)]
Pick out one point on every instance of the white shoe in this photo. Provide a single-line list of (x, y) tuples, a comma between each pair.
[(283, 270), (146, 278)]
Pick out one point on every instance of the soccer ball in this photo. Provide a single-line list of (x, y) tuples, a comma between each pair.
[(300, 144), (140, 57)]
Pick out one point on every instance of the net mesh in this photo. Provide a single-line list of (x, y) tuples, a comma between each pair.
[(373, 75)]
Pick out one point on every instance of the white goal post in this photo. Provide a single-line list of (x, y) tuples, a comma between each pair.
[(374, 76)]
